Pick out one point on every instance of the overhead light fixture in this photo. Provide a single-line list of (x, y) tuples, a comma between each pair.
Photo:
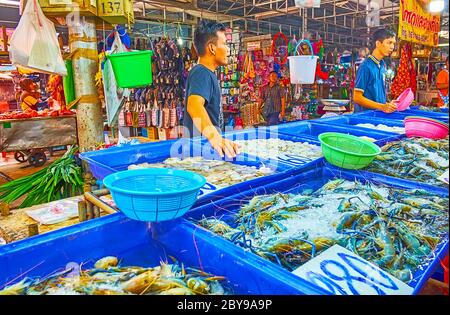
[(436, 6), (10, 2), (180, 41)]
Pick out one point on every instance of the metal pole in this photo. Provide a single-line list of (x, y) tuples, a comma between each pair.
[(83, 47)]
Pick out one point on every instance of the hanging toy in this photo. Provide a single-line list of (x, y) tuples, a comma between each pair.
[(173, 115), (155, 113)]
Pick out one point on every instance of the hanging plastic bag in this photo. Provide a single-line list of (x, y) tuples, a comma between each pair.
[(114, 95), (34, 45)]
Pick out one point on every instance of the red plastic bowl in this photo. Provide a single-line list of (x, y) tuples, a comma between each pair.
[(405, 99), (425, 128)]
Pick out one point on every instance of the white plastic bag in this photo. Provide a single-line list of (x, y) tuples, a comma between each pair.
[(114, 95), (55, 212), (34, 44)]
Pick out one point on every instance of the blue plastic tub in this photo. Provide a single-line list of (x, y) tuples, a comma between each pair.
[(105, 162), (135, 244), (352, 122), (290, 160), (312, 179), (313, 129), (401, 115)]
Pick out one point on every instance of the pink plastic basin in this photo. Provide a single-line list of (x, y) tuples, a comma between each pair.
[(405, 99), (425, 128)]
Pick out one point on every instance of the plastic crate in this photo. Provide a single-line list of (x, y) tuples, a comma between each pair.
[(353, 121), (44, 254), (108, 161), (313, 129), (291, 160), (312, 179), (54, 9)]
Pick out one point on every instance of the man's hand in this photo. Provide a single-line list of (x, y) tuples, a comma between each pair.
[(280, 117), (390, 107), (225, 146)]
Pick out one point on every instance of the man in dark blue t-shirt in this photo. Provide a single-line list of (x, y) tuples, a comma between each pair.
[(370, 89), (203, 110)]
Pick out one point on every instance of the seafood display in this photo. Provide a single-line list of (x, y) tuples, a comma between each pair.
[(268, 148), (217, 172), (108, 278), (420, 159), (430, 109), (395, 229), (383, 128)]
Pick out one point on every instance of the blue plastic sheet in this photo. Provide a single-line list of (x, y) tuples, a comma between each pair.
[(312, 179), (136, 244)]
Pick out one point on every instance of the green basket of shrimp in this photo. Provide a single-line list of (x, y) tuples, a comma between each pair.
[(347, 151)]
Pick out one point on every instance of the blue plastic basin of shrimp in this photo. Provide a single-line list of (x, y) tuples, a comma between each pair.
[(154, 194)]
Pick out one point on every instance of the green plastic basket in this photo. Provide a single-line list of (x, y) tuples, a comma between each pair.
[(347, 151), (68, 83), (132, 69)]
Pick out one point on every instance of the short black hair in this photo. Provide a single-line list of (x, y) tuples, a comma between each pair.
[(273, 71), (206, 33), (381, 35)]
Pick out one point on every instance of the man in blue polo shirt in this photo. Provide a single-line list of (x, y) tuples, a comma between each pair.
[(370, 89)]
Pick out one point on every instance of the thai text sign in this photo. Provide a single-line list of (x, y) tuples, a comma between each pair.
[(417, 25)]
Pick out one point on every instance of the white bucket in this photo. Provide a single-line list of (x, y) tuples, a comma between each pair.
[(303, 68)]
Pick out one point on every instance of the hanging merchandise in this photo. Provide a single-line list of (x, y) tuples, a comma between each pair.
[(292, 44), (280, 48), (405, 77), (114, 95), (34, 44), (303, 68)]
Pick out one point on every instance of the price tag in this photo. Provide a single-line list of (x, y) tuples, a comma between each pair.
[(110, 7), (342, 272), (207, 189)]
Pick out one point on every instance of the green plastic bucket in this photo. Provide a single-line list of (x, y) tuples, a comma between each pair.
[(68, 83), (347, 151), (132, 69)]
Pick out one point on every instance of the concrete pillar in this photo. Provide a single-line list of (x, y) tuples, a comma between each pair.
[(83, 48)]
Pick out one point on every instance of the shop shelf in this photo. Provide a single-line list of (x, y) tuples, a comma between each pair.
[(84, 243), (312, 179)]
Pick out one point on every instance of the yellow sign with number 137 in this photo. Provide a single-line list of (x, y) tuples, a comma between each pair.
[(110, 7)]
